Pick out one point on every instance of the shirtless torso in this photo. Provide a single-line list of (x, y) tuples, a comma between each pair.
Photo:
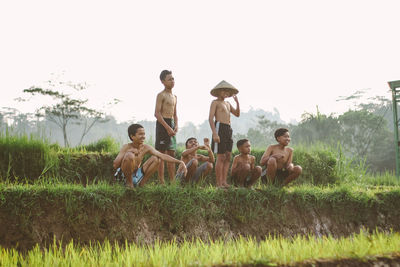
[(222, 111), (166, 103), (283, 155)]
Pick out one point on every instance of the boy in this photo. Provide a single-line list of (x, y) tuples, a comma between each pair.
[(167, 123), (191, 159), (130, 157), (221, 128), (244, 172), (278, 160)]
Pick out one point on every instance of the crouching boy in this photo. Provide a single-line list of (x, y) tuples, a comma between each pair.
[(131, 155), (244, 172), (192, 159), (278, 160)]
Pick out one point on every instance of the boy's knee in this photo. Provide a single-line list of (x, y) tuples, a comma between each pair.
[(246, 167), (129, 156), (271, 163), (195, 163), (297, 169), (258, 170), (209, 166), (221, 157), (156, 160)]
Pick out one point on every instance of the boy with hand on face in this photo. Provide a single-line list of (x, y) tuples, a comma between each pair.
[(278, 160), (167, 123), (192, 159), (130, 157), (244, 172), (220, 123)]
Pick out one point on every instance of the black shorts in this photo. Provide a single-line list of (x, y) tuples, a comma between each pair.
[(280, 176), (163, 140), (225, 138)]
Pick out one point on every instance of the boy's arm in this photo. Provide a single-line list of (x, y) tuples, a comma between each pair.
[(118, 160), (290, 158), (235, 111), (252, 163), (210, 157), (159, 116), (265, 156), (189, 151), (166, 157), (211, 116), (176, 116)]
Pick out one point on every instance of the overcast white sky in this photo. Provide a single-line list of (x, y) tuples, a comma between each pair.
[(292, 55)]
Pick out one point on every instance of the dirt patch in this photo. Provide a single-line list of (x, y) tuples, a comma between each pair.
[(136, 217)]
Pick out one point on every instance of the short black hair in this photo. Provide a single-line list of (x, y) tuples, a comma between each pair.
[(164, 74), (132, 129), (280, 132), (241, 142), (187, 141)]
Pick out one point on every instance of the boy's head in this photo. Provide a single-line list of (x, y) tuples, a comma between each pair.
[(282, 136), (244, 146), (136, 132), (167, 79), (191, 142)]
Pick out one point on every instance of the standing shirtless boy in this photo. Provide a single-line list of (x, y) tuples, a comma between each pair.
[(131, 155), (243, 171), (221, 128), (278, 160), (167, 123), (192, 159)]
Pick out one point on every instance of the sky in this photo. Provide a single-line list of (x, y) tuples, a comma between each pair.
[(289, 55)]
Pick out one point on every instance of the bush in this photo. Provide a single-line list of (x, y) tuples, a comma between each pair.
[(23, 156), (106, 144)]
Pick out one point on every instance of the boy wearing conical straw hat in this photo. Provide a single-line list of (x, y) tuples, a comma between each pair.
[(220, 123)]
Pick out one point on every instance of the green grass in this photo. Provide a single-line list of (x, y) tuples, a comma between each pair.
[(272, 251)]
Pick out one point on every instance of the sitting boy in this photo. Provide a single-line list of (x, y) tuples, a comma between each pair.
[(191, 159), (244, 172), (278, 160), (130, 157)]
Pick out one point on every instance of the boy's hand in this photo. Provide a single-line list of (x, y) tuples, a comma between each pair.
[(216, 138), (202, 147), (182, 167), (176, 128), (170, 131), (235, 98), (207, 142)]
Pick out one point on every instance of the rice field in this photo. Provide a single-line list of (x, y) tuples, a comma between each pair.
[(274, 250)]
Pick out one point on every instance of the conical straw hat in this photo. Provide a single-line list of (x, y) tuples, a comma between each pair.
[(224, 85)]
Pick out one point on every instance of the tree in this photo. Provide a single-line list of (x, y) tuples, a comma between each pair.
[(316, 127), (67, 110)]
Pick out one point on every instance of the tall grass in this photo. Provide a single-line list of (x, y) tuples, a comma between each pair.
[(273, 250)]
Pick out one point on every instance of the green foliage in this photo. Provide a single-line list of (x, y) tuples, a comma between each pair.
[(23, 156), (106, 144)]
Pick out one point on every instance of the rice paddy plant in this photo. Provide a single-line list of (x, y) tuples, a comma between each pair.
[(273, 250)]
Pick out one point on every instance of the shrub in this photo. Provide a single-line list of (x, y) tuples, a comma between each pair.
[(106, 144), (23, 157)]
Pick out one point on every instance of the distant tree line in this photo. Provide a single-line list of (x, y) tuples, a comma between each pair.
[(364, 132)]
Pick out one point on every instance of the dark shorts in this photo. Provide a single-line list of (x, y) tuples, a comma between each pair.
[(280, 176), (163, 140), (225, 138), (197, 174)]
